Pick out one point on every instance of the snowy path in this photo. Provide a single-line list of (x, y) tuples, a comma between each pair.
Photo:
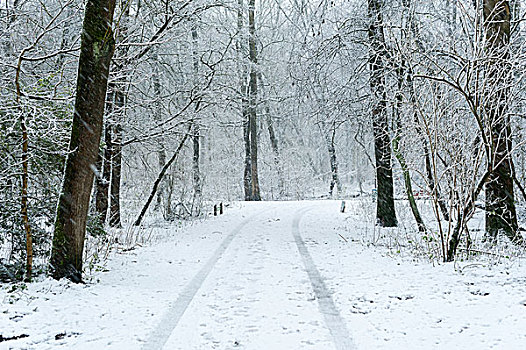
[(263, 284), (163, 331), (273, 276)]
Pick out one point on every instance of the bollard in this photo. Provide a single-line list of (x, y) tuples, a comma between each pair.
[(221, 208), (215, 209), (342, 208)]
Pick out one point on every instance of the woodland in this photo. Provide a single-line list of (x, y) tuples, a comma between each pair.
[(119, 114)]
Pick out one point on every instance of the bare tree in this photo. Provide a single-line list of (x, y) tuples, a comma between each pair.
[(500, 202), (102, 182), (243, 92), (196, 128), (252, 104), (385, 210)]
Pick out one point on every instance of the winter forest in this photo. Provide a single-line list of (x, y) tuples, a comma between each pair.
[(138, 133)]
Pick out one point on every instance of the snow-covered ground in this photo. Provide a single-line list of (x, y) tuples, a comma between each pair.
[(274, 275)]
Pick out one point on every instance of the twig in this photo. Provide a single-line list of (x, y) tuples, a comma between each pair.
[(481, 252)]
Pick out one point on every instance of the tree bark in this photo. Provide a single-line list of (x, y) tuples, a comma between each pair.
[(385, 210), (103, 180), (247, 178), (120, 113), (161, 151), (398, 153), (405, 80), (97, 47), (24, 200), (252, 105), (243, 70), (116, 166), (500, 203), (273, 140), (99, 187), (329, 134), (196, 131)]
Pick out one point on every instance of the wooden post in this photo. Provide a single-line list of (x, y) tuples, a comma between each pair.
[(215, 209), (342, 208), (221, 208)]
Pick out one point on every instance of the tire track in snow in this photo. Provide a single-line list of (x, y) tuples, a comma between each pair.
[(160, 335), (331, 314)]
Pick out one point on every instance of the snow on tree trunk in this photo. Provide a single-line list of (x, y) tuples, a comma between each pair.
[(500, 203), (252, 104), (385, 210), (102, 182)]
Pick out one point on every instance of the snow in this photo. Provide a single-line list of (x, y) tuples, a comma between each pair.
[(242, 281)]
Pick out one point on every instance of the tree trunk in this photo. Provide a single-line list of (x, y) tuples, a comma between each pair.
[(385, 210), (451, 13), (65, 38), (97, 46), (12, 15), (196, 131), (500, 203), (99, 188), (329, 135), (247, 178), (273, 140), (252, 105), (24, 199), (116, 165), (408, 186), (405, 80), (432, 184), (103, 180), (275, 150), (120, 113), (243, 70), (463, 217), (161, 151), (398, 153)]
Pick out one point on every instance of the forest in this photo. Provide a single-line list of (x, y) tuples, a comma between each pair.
[(271, 174), (118, 113)]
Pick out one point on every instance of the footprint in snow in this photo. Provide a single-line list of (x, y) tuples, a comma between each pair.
[(479, 292), (402, 297)]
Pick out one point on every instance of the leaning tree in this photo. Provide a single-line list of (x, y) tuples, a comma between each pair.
[(97, 47)]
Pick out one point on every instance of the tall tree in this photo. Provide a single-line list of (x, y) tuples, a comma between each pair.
[(273, 138), (385, 209), (157, 114), (252, 104), (329, 134), (196, 128), (397, 116), (243, 91), (120, 113), (102, 182), (404, 77), (500, 203), (116, 162), (97, 47)]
